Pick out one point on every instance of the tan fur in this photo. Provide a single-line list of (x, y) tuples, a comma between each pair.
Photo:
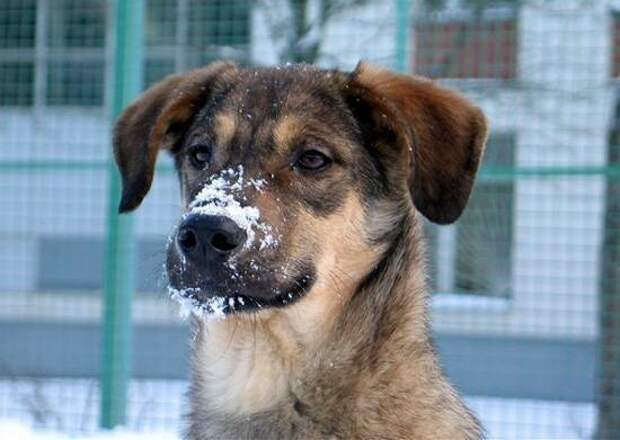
[(255, 365), (249, 363), (244, 371), (286, 130), (225, 127)]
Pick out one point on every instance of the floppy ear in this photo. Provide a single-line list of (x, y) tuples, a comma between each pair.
[(157, 120), (443, 133)]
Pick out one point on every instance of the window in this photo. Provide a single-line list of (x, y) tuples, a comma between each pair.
[(17, 42), (52, 52), (182, 34), (467, 45), (474, 255), (75, 49), (16, 83)]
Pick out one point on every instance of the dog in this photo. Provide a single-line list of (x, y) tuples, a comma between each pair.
[(300, 250)]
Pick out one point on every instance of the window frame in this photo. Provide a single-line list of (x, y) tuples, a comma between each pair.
[(444, 248)]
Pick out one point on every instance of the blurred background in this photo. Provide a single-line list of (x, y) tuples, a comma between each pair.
[(526, 285)]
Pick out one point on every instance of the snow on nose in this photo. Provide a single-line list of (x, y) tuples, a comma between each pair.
[(221, 196)]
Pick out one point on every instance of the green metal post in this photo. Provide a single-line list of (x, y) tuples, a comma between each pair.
[(403, 27), (127, 19)]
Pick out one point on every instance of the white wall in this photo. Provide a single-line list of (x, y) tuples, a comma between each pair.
[(560, 109), (64, 202)]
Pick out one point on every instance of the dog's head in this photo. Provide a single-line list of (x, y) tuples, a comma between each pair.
[(295, 178)]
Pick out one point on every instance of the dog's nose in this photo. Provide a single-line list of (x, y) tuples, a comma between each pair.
[(204, 238)]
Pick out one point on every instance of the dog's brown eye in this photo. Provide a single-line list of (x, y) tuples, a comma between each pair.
[(199, 156), (312, 160)]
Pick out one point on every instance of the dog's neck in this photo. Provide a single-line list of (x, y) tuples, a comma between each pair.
[(331, 355), (248, 363)]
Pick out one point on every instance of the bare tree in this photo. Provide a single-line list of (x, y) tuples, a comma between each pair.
[(302, 25)]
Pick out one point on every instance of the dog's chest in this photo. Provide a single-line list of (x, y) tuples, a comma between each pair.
[(290, 419), (240, 376), (250, 391)]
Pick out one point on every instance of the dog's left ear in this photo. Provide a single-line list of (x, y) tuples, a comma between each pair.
[(439, 132)]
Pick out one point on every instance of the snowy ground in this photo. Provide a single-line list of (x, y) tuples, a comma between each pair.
[(15, 430), (63, 409), (522, 419)]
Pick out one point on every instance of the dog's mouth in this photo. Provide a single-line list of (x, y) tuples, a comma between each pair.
[(211, 299)]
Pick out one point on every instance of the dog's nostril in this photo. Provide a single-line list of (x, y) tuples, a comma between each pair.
[(187, 239), (222, 242), (208, 239)]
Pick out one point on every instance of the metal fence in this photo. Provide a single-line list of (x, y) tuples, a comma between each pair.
[(526, 302)]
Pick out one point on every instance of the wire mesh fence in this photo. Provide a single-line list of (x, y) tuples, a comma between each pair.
[(526, 302)]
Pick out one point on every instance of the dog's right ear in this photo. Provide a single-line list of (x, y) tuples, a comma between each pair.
[(440, 136), (157, 120)]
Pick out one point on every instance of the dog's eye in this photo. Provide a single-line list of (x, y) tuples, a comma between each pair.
[(312, 160), (199, 156)]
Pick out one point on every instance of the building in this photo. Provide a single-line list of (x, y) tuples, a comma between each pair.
[(522, 264)]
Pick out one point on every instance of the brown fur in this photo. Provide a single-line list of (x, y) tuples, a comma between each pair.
[(155, 122), (350, 356)]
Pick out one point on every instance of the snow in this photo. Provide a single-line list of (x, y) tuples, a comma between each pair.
[(187, 305), (460, 302), (518, 419), (16, 430), (220, 196), (71, 407), (210, 308), (63, 409)]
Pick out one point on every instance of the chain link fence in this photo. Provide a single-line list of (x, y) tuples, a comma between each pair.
[(526, 302)]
